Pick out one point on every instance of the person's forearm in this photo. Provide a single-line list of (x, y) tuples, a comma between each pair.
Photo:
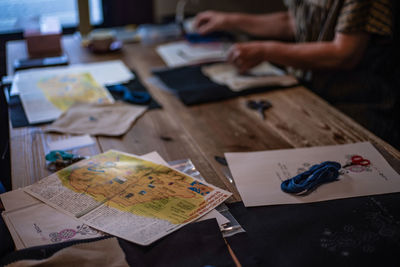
[(278, 26), (318, 55)]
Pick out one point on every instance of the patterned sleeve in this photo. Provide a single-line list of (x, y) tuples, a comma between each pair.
[(372, 16)]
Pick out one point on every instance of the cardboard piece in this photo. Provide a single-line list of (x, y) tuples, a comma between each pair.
[(106, 119)]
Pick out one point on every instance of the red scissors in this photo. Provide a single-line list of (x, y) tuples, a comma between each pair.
[(358, 160)]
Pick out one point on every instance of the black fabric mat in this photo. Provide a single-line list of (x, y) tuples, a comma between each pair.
[(6, 242), (362, 231), (196, 244), (193, 87), (19, 119)]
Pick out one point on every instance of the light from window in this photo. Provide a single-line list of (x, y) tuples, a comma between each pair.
[(16, 14)]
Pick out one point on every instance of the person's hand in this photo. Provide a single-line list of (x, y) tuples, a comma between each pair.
[(246, 55), (209, 21)]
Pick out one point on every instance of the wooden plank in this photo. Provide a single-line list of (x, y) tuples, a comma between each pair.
[(28, 149)]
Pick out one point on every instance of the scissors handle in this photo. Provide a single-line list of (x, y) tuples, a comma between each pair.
[(358, 160), (259, 106)]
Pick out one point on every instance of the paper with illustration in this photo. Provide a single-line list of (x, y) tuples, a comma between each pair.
[(28, 229), (128, 197), (33, 223), (45, 98), (46, 226), (258, 175), (47, 92)]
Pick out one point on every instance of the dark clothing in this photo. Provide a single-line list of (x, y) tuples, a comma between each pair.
[(368, 93)]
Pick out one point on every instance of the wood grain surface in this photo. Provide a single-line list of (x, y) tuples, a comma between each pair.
[(298, 118)]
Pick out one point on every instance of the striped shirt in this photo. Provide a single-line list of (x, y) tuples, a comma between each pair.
[(319, 20)]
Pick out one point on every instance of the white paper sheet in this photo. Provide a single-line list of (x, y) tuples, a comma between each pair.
[(258, 175), (71, 143), (33, 223), (183, 53), (41, 224), (105, 73), (17, 199)]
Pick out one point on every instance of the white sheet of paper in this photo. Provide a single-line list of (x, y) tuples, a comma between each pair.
[(71, 143), (258, 175), (31, 222), (17, 199), (41, 224), (183, 53), (17, 240), (105, 73)]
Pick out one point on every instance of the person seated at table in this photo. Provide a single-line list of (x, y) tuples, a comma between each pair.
[(341, 48)]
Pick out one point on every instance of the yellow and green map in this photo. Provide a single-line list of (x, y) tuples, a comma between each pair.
[(126, 196), (65, 90), (141, 187)]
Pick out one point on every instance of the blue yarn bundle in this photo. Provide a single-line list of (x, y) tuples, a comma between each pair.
[(307, 181), (135, 97)]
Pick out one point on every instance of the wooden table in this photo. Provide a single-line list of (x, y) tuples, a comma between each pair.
[(299, 118)]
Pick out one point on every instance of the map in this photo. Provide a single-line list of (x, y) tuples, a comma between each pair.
[(127, 196), (65, 90), (47, 92)]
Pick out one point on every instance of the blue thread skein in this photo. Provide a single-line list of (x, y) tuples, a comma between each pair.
[(317, 175)]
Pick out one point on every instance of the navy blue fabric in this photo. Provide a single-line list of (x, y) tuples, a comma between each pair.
[(6, 242), (363, 231), (317, 175), (196, 244)]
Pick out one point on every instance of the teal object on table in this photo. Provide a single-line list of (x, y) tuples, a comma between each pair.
[(55, 155)]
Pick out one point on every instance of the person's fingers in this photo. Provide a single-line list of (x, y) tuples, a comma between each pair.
[(205, 28), (200, 20), (233, 53), (248, 64), (243, 68)]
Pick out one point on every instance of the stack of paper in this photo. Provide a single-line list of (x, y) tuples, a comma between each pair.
[(114, 192)]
